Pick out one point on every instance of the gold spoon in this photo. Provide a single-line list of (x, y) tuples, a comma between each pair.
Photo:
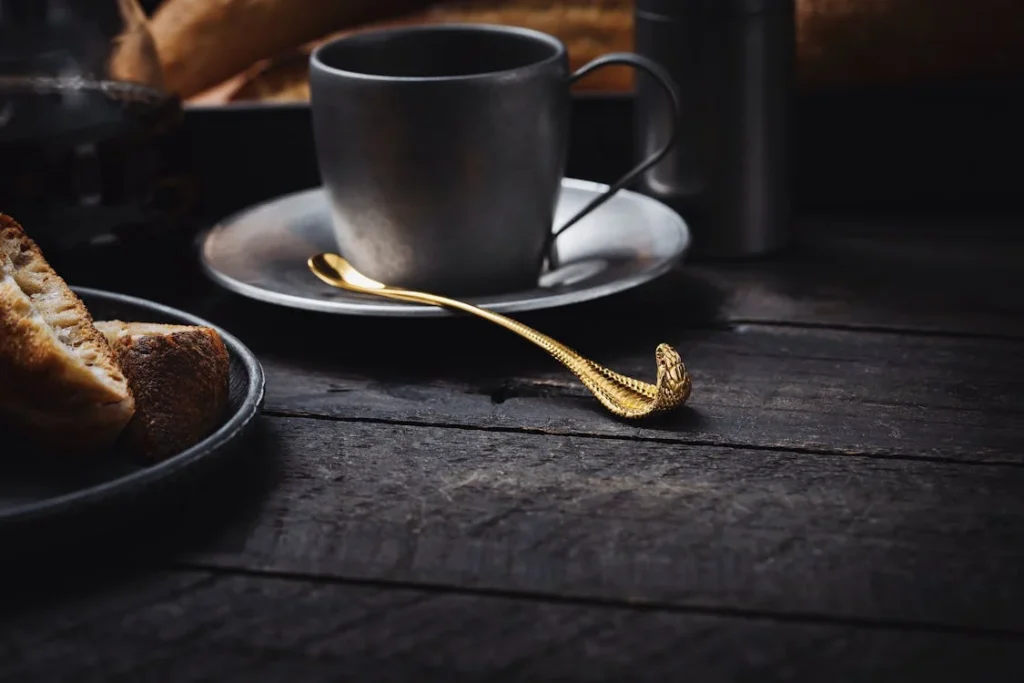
[(624, 396)]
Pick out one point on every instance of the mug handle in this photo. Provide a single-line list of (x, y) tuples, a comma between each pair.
[(663, 78)]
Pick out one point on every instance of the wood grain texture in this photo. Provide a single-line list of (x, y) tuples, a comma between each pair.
[(199, 627), (933, 274), (533, 538), (895, 541), (830, 391)]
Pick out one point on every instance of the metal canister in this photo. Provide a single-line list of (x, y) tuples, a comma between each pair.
[(729, 175)]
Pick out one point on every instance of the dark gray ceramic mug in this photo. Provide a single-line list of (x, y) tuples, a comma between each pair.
[(442, 150)]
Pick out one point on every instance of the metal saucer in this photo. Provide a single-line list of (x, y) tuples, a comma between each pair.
[(261, 253)]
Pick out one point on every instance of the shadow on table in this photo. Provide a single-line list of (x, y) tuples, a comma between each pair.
[(55, 561), (685, 419)]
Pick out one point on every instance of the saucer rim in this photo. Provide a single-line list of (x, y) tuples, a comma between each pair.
[(509, 302)]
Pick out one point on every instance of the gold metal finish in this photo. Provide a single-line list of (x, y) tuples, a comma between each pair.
[(624, 396)]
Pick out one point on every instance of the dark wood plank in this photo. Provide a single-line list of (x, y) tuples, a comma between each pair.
[(952, 275), (767, 387), (201, 627), (858, 538)]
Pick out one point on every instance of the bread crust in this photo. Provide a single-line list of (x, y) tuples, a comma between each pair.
[(179, 376), (60, 386), (839, 43), (589, 29), (204, 42)]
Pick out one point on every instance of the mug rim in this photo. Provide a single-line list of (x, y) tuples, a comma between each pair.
[(533, 34)]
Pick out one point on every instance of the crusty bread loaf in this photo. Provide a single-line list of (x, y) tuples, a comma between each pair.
[(60, 385), (589, 29), (179, 377), (284, 79), (134, 56), (840, 43), (844, 43), (204, 42)]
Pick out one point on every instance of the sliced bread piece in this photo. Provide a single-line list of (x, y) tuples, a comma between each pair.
[(60, 385), (179, 377)]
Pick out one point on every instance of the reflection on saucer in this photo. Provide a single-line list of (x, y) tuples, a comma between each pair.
[(572, 273)]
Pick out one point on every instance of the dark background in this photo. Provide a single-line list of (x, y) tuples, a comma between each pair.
[(928, 151)]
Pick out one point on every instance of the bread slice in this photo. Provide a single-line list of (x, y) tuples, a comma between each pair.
[(179, 377), (60, 385)]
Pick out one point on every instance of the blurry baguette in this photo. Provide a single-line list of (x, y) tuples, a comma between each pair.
[(839, 42), (906, 42), (204, 42), (589, 28), (285, 79)]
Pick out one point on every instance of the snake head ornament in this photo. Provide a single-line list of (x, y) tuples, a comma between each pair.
[(673, 380)]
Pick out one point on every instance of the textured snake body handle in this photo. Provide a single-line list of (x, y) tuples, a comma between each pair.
[(624, 396)]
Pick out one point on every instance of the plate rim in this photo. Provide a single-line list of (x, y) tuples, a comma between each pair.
[(391, 309), (146, 477)]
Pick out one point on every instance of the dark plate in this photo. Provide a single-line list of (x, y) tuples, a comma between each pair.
[(42, 497)]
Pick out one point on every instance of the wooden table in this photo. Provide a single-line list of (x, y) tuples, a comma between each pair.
[(842, 500)]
